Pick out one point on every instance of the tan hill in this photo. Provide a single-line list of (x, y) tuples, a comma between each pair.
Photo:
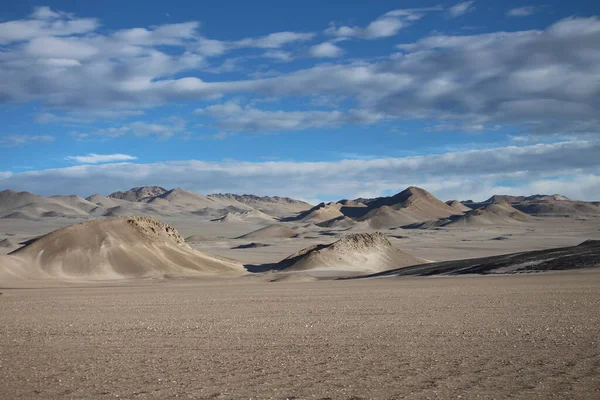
[(500, 198), (75, 202), (352, 208), (457, 205), (414, 205), (492, 214), (246, 216), (19, 215), (127, 247), (338, 223), (271, 231), (229, 217), (103, 201), (272, 205), (320, 213), (562, 208), (351, 203), (25, 205), (418, 201), (138, 193), (184, 199), (361, 252), (10, 199), (386, 217)]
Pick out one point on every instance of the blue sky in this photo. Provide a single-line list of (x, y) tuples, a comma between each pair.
[(310, 100)]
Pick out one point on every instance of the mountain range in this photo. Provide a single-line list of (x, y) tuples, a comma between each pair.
[(411, 208)]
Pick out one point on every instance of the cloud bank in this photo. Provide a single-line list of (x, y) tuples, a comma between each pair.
[(571, 168)]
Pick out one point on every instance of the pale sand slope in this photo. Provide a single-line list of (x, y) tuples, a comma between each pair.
[(416, 202), (128, 247), (271, 231), (320, 213), (521, 337), (339, 223), (496, 213), (386, 217), (360, 252), (458, 205), (253, 215)]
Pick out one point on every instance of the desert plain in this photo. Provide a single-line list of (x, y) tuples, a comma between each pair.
[(152, 293)]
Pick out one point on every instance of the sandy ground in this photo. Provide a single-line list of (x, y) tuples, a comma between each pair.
[(527, 336)]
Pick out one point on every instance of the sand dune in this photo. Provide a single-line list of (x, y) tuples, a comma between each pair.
[(127, 247), (355, 253), (271, 231)]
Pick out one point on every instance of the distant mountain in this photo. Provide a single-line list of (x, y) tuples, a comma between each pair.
[(500, 213), (251, 199), (228, 202), (138, 193), (519, 199), (458, 205), (146, 201), (320, 213), (543, 205)]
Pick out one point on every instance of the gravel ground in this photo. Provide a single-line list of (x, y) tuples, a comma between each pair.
[(527, 336)]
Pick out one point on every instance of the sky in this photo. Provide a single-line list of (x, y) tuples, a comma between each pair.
[(313, 100)]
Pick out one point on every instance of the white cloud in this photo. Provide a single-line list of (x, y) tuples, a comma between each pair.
[(521, 11), (45, 13), (540, 81), (279, 55), (161, 130), (571, 168), (389, 24), (100, 158), (19, 140), (67, 49), (461, 9), (274, 40), (168, 34), (326, 50), (49, 25), (233, 117)]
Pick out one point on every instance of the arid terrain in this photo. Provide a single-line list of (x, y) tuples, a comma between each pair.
[(524, 336), (155, 293)]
